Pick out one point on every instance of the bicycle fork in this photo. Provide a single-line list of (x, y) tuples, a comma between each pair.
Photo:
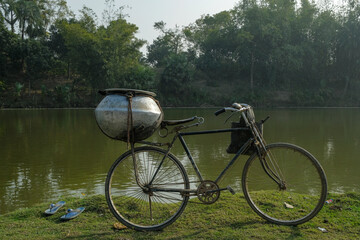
[(274, 176), (269, 164), (274, 173)]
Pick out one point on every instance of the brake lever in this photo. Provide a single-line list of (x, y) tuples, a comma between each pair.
[(263, 121), (229, 117)]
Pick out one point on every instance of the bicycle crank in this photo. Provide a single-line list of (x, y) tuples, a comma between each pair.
[(208, 192)]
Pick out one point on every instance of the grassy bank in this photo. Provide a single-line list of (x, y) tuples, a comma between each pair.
[(229, 218)]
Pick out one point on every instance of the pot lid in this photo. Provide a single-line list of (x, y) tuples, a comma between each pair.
[(124, 91)]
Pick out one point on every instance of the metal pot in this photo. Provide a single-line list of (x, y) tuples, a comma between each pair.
[(112, 114)]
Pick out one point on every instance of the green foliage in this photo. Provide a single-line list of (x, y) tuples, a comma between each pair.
[(175, 79), (164, 46), (322, 97), (2, 86), (347, 52), (219, 43), (38, 58), (18, 87), (140, 77), (3, 44), (29, 18), (8, 43), (44, 90), (310, 54), (112, 13), (175, 83), (83, 53), (273, 45), (88, 19), (119, 51), (62, 95), (32, 16)]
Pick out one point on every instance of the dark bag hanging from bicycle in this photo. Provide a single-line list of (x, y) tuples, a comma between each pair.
[(240, 137)]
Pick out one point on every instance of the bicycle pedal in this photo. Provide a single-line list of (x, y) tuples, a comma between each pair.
[(230, 190)]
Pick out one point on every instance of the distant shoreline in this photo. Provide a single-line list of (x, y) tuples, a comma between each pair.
[(212, 107)]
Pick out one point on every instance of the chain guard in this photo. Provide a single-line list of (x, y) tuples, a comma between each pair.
[(208, 192)]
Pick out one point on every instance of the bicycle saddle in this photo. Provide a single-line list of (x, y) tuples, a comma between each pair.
[(165, 123)]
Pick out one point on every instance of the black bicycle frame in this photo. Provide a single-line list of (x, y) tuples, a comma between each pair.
[(240, 151), (180, 135)]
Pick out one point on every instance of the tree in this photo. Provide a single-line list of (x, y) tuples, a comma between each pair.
[(5, 40), (120, 51), (33, 16), (37, 60), (175, 80), (29, 18), (168, 43), (218, 42), (348, 52), (88, 19), (82, 53), (111, 12), (8, 11), (57, 45), (140, 77), (54, 10)]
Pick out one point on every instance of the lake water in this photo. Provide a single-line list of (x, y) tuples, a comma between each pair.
[(48, 154)]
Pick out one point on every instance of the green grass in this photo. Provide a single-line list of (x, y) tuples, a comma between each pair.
[(228, 218)]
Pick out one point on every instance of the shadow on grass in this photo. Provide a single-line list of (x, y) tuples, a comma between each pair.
[(187, 236), (295, 233), (95, 236), (148, 235), (243, 224)]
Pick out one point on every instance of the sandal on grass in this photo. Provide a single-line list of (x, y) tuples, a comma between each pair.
[(54, 208), (72, 213)]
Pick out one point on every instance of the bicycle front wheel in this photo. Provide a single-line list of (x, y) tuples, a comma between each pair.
[(135, 203), (286, 186)]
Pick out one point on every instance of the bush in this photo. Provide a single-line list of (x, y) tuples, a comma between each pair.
[(2, 86), (62, 96), (17, 89)]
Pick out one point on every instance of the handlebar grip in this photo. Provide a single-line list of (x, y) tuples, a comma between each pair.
[(218, 112)]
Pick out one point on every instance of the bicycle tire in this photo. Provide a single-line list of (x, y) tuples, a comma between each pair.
[(145, 210), (305, 183)]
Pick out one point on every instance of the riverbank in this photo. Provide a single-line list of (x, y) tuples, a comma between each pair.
[(229, 218), (221, 95)]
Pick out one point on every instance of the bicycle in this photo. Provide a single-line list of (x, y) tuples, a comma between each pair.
[(147, 187)]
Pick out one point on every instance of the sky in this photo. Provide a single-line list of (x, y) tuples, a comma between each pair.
[(144, 13)]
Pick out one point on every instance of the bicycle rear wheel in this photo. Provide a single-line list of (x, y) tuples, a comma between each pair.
[(134, 203), (302, 190)]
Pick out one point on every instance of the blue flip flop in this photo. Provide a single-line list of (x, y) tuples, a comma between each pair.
[(54, 208), (72, 213)]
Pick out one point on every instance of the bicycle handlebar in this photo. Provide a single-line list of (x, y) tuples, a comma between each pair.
[(218, 112), (236, 107)]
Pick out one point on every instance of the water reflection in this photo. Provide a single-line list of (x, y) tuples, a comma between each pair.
[(329, 150), (49, 153), (46, 154)]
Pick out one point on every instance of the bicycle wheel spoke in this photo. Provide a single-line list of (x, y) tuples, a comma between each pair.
[(170, 198), (140, 207), (150, 208), (301, 194)]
